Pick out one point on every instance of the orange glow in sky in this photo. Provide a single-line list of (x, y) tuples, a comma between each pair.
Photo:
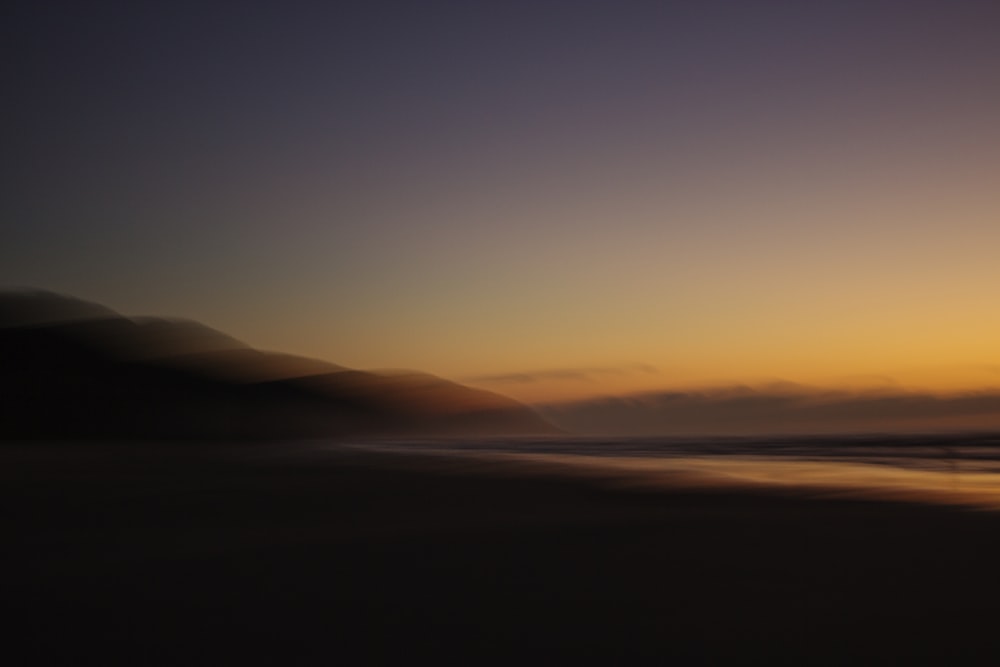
[(802, 192)]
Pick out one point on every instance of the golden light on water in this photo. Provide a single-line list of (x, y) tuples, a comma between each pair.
[(947, 479)]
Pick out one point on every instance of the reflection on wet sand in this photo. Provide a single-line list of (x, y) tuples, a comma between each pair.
[(947, 479)]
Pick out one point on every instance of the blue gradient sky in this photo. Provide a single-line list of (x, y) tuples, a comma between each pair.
[(725, 191)]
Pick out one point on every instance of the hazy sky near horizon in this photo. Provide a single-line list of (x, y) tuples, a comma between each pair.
[(548, 198)]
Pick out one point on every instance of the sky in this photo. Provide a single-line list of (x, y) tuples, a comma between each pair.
[(549, 199)]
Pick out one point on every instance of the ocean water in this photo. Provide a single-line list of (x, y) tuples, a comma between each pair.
[(962, 469)]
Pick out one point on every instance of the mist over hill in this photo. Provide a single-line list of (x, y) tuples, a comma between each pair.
[(783, 408), (74, 369)]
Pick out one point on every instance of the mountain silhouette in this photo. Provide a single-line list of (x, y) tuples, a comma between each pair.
[(73, 369)]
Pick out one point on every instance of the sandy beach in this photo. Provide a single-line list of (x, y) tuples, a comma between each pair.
[(156, 554)]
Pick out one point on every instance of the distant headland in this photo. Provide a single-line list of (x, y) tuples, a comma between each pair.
[(78, 370)]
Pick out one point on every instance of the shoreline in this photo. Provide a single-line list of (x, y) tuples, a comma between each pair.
[(148, 554)]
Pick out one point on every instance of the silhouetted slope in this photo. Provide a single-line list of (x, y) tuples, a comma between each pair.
[(417, 402), (77, 370)]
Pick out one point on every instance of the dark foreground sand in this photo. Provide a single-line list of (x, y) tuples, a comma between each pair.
[(235, 555)]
